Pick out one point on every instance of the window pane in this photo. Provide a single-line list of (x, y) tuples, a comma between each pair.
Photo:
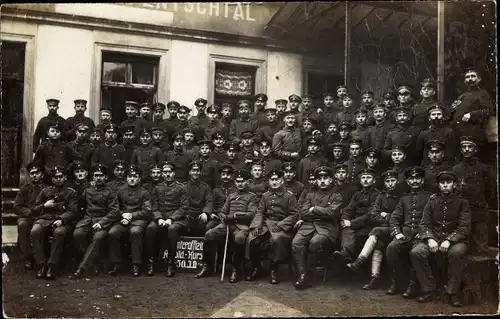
[(142, 73), (114, 72)]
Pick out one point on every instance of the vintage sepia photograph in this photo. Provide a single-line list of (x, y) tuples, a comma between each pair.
[(249, 159)]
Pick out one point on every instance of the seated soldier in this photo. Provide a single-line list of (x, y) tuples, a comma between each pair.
[(220, 194), (23, 208), (135, 210), (154, 178), (166, 200), (236, 215), (311, 185), (317, 226), (271, 231), (444, 229), (196, 207), (404, 223), (101, 211), (291, 184), (80, 182), (258, 184), (379, 237), (55, 213), (356, 223)]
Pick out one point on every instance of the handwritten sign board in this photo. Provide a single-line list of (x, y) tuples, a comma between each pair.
[(189, 256)]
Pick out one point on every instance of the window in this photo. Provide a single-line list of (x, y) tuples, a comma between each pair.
[(320, 83), (233, 82), (127, 77)]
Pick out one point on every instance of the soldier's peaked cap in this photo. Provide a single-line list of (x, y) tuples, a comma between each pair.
[(275, 173), (242, 173), (294, 98), (55, 124), (415, 171), (341, 166), (261, 97), (372, 151), (435, 145), (428, 82), (289, 166), (78, 101), (173, 104), (120, 163), (243, 103), (99, 168), (390, 174), (168, 164), (226, 168), (446, 175), (52, 100), (216, 135), (78, 165), (467, 140), (195, 164), (323, 170), (57, 170), (133, 170), (34, 167), (367, 171), (200, 102)]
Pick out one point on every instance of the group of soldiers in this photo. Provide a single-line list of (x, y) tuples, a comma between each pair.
[(296, 181)]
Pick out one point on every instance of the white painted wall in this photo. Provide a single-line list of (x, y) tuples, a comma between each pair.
[(288, 68), (62, 68)]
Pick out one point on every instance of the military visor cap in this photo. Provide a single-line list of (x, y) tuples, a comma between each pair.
[(415, 171), (34, 167), (322, 171), (133, 170), (446, 176), (390, 174), (242, 174), (275, 173)]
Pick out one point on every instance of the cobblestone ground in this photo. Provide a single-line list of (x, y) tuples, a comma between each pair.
[(184, 296)]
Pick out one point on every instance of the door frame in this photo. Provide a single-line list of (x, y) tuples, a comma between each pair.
[(28, 124)]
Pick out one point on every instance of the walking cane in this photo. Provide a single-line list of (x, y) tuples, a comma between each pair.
[(225, 254)]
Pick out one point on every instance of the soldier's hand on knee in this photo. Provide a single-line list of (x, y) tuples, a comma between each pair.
[(124, 221), (97, 226), (213, 216), (298, 223), (433, 245), (168, 222), (445, 245), (203, 217), (57, 223), (400, 236)]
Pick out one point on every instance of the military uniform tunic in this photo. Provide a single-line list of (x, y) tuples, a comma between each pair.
[(287, 141), (43, 126)]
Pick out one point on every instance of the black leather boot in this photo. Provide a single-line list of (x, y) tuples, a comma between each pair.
[(411, 291), (354, 266), (392, 286), (302, 282), (40, 271), (372, 284), (114, 270), (170, 269), (426, 297), (50, 273), (204, 272), (78, 273), (151, 267), (136, 270), (274, 274)]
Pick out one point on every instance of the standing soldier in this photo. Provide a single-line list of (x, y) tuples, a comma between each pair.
[(291, 184), (260, 106), (158, 114), (428, 90), (444, 229), (281, 105), (356, 162), (361, 130), (218, 140), (53, 152), (405, 98), (134, 209), (399, 164), (146, 155), (215, 125), (131, 110), (234, 157), (190, 145), (475, 184), (472, 108), (339, 155), (101, 211), (367, 103), (435, 154), (347, 114), (372, 161), (271, 230), (317, 226), (311, 161), (200, 120), (173, 121), (341, 93), (55, 213), (209, 164), (105, 117), (243, 123), (345, 133), (404, 223), (271, 126), (159, 138), (380, 128), (183, 122), (71, 123), (145, 115), (80, 148), (295, 101), (308, 109), (166, 200), (237, 213), (404, 134), (179, 157), (227, 115), (23, 208), (267, 158), (109, 152), (389, 100), (287, 143), (43, 125), (329, 111)]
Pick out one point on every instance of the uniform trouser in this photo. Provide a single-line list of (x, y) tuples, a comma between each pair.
[(24, 226), (115, 243), (397, 253), (218, 234), (420, 256), (39, 235), (177, 229), (156, 240), (349, 238), (276, 245), (212, 223), (90, 248), (314, 245), (479, 237)]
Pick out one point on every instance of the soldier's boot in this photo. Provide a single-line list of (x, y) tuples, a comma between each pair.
[(28, 263), (392, 290), (376, 263), (355, 265), (115, 269), (411, 291), (454, 300), (204, 272), (426, 297), (170, 269), (40, 271), (136, 270), (234, 274), (302, 280), (151, 267), (274, 273), (256, 269), (51, 272)]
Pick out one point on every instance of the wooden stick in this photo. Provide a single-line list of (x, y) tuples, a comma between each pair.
[(225, 254)]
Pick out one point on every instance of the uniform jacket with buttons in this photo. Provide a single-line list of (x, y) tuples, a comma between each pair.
[(52, 153), (43, 126), (197, 200), (347, 191), (270, 163), (362, 133), (309, 162), (181, 159), (101, 206), (166, 200), (357, 210), (403, 136), (79, 188), (71, 123), (80, 151), (385, 202), (420, 114), (401, 186), (239, 126), (406, 216), (475, 101), (347, 115), (220, 195), (107, 155), (287, 141), (444, 134), (431, 172), (65, 209), (295, 187), (137, 201), (242, 206), (209, 170), (378, 132), (213, 127), (116, 184), (25, 199), (145, 157), (446, 218), (258, 187), (273, 209), (354, 166), (268, 130)]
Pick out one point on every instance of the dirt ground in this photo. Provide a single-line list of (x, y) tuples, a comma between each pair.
[(184, 296)]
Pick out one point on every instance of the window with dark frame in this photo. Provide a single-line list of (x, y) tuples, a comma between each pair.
[(321, 83), (127, 77), (233, 82)]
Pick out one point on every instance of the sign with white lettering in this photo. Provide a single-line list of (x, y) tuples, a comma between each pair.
[(189, 256)]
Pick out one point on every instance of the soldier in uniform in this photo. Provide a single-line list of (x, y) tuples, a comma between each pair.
[(201, 119), (220, 194), (287, 143), (271, 230), (405, 98), (472, 108), (367, 103), (329, 111), (331, 136), (355, 162), (102, 210), (45, 122), (243, 122), (109, 152), (345, 133), (345, 189), (135, 212), (438, 130), (403, 134), (295, 102), (271, 126), (260, 106), (218, 140), (183, 122), (311, 161), (404, 224), (154, 178), (291, 184), (53, 152), (380, 128), (160, 138), (145, 115), (179, 158), (118, 180), (258, 183), (269, 161), (227, 115), (95, 138), (341, 93), (339, 155), (308, 109), (281, 105), (172, 121), (233, 156), (348, 112), (355, 220), (317, 225), (210, 166), (444, 229), (399, 164), (166, 201), (389, 100), (361, 129), (311, 185), (236, 215), (80, 182), (158, 120), (190, 142), (379, 237), (71, 123), (146, 154), (131, 110), (55, 213), (372, 161), (248, 145), (23, 208), (435, 153), (428, 90), (215, 125), (105, 117), (80, 148), (196, 207), (475, 183), (307, 127)]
